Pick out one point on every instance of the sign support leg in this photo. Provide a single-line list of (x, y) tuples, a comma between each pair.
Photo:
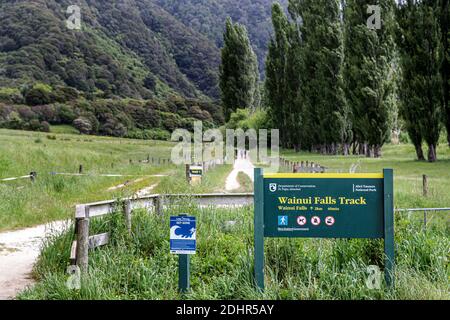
[(183, 273), (259, 228), (389, 227)]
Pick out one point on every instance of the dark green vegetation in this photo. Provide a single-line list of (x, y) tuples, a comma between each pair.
[(304, 75), (138, 48), (370, 75), (421, 59), (128, 49), (136, 69), (239, 76), (208, 17), (335, 85), (131, 118), (445, 68)]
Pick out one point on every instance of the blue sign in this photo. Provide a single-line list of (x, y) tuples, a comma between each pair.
[(183, 232), (282, 220)]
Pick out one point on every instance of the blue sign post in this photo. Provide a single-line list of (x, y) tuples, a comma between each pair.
[(183, 242)]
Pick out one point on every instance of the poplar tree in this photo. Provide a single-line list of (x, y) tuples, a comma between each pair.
[(321, 82), (369, 76), (239, 76), (421, 85), (276, 74), (445, 69)]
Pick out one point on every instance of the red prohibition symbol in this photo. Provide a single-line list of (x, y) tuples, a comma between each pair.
[(315, 220), (301, 221), (329, 221)]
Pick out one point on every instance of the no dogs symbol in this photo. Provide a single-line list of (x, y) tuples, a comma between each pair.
[(315, 220)]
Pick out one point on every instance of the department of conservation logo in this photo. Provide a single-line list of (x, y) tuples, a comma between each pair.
[(273, 187)]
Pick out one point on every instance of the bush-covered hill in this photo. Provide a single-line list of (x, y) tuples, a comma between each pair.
[(131, 118), (208, 17), (126, 48), (129, 48)]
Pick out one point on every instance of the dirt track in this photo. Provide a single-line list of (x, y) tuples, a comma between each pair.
[(18, 252), (242, 164)]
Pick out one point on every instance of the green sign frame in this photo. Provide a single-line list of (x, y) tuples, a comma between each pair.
[(323, 205)]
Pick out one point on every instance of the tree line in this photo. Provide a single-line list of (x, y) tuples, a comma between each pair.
[(337, 83)]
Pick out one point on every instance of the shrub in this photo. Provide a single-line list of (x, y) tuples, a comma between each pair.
[(83, 125), (39, 94), (11, 95)]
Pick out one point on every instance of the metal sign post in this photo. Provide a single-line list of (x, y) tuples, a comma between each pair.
[(195, 174), (183, 242), (323, 206)]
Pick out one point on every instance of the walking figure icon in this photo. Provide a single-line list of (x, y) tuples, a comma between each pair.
[(282, 220)]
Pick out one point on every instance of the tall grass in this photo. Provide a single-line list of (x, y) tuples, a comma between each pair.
[(139, 266), (53, 197)]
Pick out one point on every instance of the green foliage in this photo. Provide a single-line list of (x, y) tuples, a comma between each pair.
[(246, 119), (421, 86), (132, 50), (11, 95), (139, 119), (239, 76), (40, 93), (304, 76), (209, 17), (369, 73), (445, 68)]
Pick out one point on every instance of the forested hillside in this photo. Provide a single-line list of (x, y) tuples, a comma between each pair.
[(208, 17), (127, 48)]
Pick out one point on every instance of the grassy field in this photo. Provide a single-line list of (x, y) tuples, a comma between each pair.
[(139, 266), (52, 197)]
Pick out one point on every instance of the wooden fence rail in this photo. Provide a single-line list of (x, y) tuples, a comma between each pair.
[(152, 203), (302, 166)]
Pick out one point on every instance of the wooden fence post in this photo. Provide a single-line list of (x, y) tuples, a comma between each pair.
[(425, 185), (127, 213), (187, 173), (80, 169), (158, 205), (83, 243)]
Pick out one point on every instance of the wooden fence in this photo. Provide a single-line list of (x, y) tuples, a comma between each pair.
[(301, 166), (152, 203)]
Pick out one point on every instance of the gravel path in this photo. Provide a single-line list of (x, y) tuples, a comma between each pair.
[(18, 252), (20, 249), (242, 164)]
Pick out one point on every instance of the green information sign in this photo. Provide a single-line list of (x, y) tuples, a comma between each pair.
[(324, 206)]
